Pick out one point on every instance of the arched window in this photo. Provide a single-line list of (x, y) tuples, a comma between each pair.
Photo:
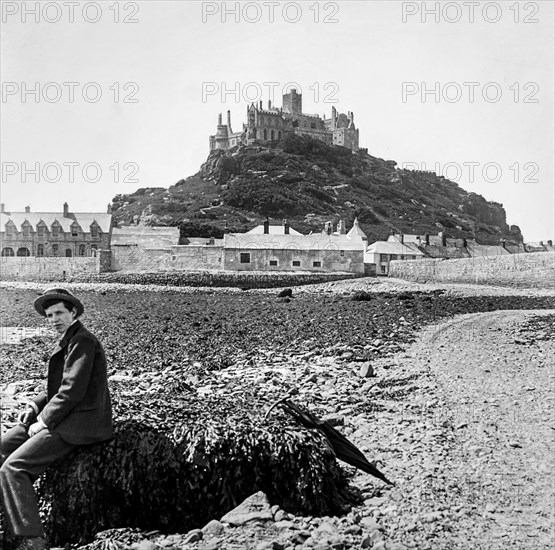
[(81, 250), (69, 254), (40, 250), (23, 251), (254, 133), (7, 251), (272, 135), (93, 249), (54, 250), (279, 134), (265, 134)]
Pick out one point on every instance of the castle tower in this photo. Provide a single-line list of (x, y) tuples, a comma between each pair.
[(293, 102), (222, 134), (333, 118)]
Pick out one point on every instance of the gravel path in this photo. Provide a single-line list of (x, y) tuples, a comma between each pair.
[(476, 443)]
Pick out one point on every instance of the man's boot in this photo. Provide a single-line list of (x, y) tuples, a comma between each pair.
[(32, 543)]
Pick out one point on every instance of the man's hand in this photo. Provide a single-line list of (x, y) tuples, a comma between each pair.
[(37, 427), (27, 417)]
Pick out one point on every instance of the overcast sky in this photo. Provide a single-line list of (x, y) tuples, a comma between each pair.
[(127, 93)]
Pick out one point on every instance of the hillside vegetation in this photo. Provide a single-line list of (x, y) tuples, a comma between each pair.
[(309, 183)]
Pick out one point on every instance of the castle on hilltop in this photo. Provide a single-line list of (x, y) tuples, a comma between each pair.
[(271, 125)]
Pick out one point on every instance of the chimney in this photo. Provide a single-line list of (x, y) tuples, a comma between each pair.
[(267, 227), (269, 104), (66, 210), (109, 209), (211, 241), (261, 105), (550, 243), (541, 243), (341, 229), (328, 228), (502, 243), (27, 209), (229, 120), (427, 239), (285, 227), (402, 238), (2, 206), (220, 119), (443, 238)]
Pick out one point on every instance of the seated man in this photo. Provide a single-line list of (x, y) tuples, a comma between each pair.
[(75, 410)]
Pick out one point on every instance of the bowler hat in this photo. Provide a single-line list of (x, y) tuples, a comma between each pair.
[(57, 294)]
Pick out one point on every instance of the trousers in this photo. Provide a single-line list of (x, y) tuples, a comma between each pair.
[(23, 459)]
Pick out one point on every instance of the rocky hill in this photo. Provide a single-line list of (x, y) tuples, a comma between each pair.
[(310, 183)]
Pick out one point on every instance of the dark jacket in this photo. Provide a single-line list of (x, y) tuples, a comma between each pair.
[(77, 403)]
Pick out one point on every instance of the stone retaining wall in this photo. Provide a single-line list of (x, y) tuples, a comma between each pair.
[(215, 278), (41, 268), (530, 270)]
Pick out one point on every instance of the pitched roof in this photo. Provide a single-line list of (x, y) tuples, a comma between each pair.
[(356, 231), (84, 219), (394, 247), (292, 242)]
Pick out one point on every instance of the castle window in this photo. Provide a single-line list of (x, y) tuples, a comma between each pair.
[(23, 251), (40, 250), (7, 251), (316, 264), (245, 257), (265, 134), (272, 135), (273, 262), (279, 134), (296, 263), (68, 253)]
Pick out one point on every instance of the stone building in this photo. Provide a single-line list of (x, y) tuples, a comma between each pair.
[(52, 234), (271, 125), (267, 249)]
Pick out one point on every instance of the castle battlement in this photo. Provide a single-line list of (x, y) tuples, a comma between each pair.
[(271, 125)]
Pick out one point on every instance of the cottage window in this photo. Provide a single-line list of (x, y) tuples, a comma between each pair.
[(9, 231), (40, 230), (7, 251), (402, 257), (413, 257), (316, 264), (81, 250), (26, 232), (393, 257), (68, 253), (54, 250), (40, 250), (342, 253), (94, 231), (55, 231), (93, 249), (273, 262), (75, 231), (296, 263), (245, 257), (383, 257), (23, 251), (383, 268)]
